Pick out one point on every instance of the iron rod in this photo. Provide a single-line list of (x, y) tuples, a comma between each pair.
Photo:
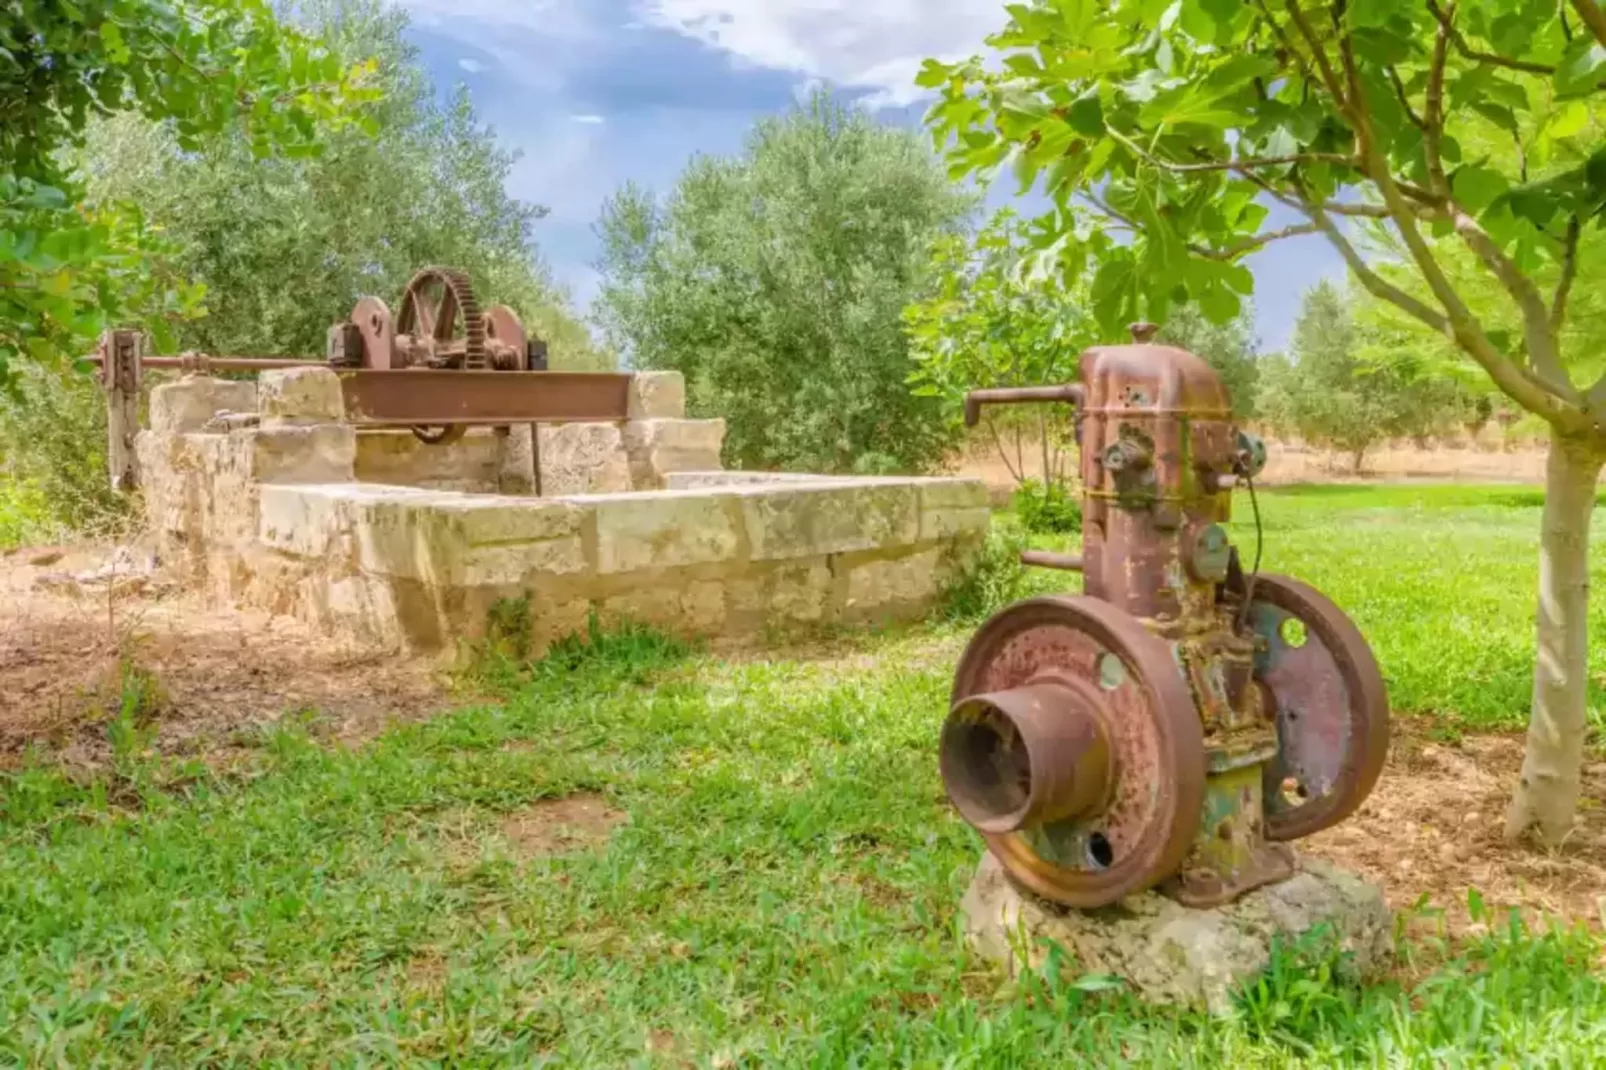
[(1046, 559)]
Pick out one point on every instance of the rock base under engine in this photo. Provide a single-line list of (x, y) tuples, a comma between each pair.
[(1171, 954)]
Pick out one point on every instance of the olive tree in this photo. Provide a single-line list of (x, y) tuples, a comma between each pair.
[(285, 246), (1166, 132), (775, 280), (1331, 394)]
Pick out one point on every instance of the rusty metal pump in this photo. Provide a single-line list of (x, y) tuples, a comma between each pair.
[(1182, 719)]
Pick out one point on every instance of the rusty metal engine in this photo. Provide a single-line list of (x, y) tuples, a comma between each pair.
[(1181, 720)]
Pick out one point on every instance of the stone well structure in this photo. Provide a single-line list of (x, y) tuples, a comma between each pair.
[(375, 536)]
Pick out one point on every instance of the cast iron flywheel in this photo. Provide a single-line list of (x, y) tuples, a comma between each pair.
[(1319, 676), (1079, 675)]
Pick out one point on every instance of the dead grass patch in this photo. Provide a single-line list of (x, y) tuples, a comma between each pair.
[(557, 826), (220, 672)]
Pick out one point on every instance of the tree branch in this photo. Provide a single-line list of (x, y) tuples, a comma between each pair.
[(1109, 210), (1251, 163), (1569, 272), (1363, 211), (1538, 337), (1433, 127), (1329, 76), (1249, 245), (1003, 454), (1286, 42), (1479, 56), (1404, 98), (1593, 17), (1531, 392), (1374, 283)]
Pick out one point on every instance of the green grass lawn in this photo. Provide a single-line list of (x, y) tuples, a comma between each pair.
[(783, 892)]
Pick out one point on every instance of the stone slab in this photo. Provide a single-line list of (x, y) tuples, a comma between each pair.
[(1171, 954), (472, 464), (789, 521), (898, 584), (657, 448), (639, 532), (321, 453), (657, 396), (297, 396), (185, 406), (586, 458)]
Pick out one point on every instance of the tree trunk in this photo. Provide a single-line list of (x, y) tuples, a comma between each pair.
[(1357, 457), (1547, 795)]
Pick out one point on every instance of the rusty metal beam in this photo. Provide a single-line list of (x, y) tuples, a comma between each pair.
[(196, 362), (434, 398)]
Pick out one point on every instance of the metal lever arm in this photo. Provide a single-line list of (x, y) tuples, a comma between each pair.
[(1018, 395)]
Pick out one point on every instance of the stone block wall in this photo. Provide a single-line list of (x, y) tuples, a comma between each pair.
[(276, 517)]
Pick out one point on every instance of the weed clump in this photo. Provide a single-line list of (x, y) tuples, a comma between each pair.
[(1047, 508)]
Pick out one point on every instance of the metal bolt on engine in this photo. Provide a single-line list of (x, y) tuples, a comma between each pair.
[(1184, 718)]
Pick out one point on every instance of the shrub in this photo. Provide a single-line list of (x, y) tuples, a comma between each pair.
[(991, 579), (1047, 509), (53, 444)]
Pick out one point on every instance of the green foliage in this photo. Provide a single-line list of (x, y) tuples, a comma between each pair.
[(991, 579), (986, 323), (1309, 987), (626, 650), (775, 280), (1047, 509), (1230, 348), (287, 244), (1330, 395), (199, 66), (24, 514), (53, 442), (1166, 132)]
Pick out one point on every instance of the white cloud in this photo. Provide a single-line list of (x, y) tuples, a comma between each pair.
[(589, 120), (869, 44), (472, 66)]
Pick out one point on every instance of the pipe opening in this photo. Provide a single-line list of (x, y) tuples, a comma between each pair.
[(1033, 754), (987, 767)]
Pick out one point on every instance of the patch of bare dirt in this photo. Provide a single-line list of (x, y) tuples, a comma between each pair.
[(554, 826), (73, 652), (1433, 828)]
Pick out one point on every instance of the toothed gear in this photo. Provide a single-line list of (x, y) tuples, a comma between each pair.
[(457, 298)]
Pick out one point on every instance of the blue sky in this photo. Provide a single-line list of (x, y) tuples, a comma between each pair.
[(599, 92)]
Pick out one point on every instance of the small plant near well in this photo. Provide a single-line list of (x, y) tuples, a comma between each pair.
[(1047, 509), (139, 700), (992, 576), (623, 652), (496, 656), (1308, 986)]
